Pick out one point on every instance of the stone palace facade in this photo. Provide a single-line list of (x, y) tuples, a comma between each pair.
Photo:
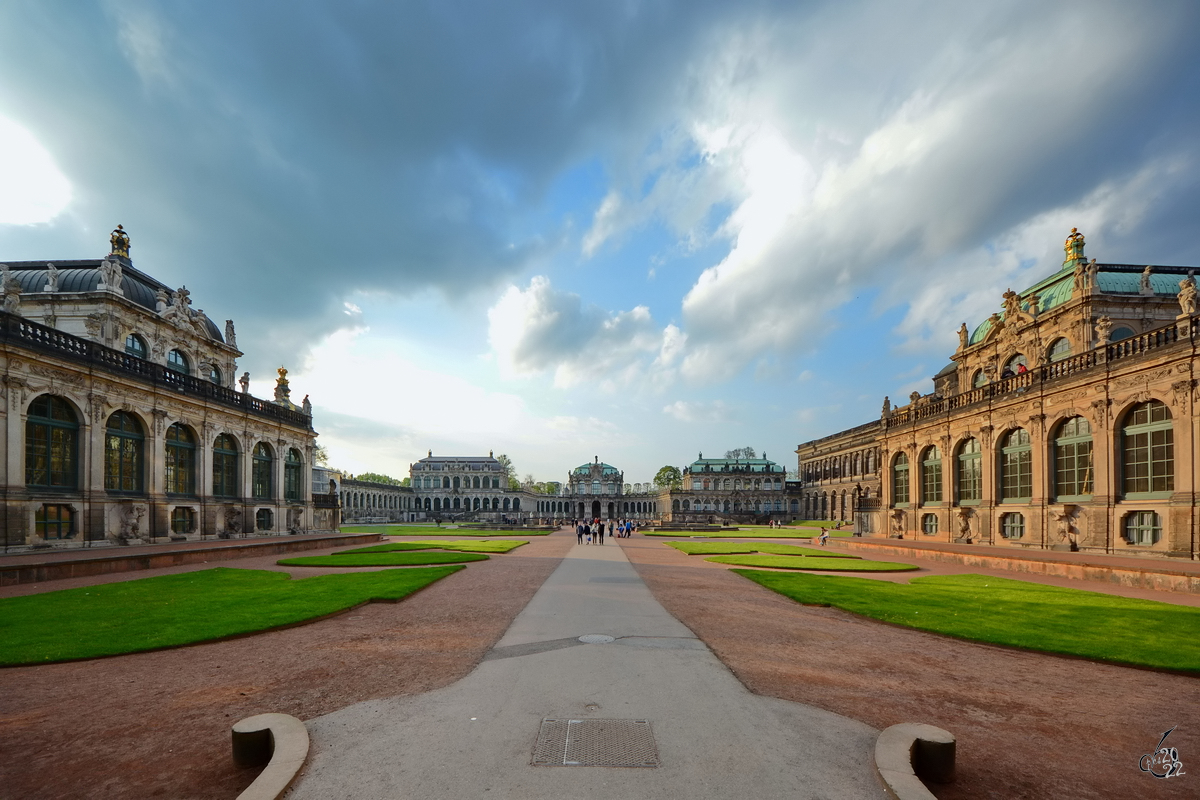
[(1065, 420), (465, 488), (120, 419)]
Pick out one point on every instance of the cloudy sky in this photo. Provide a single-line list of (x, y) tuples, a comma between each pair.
[(637, 229)]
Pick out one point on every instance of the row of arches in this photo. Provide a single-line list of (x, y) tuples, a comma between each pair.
[(738, 484), (833, 505), (748, 506), (52, 460), (376, 500), (1142, 446), (177, 359), (446, 504), (860, 464), (456, 482)]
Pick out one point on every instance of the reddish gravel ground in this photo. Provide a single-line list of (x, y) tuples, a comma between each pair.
[(1028, 725), (157, 724)]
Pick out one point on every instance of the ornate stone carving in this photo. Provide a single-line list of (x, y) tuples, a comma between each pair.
[(51, 278), (1187, 295), (233, 520), (1103, 330), (129, 526), (306, 406), (96, 407), (1066, 525), (1073, 246), (963, 337), (160, 421), (1181, 391), (230, 335), (1099, 414), (119, 240), (1144, 284), (111, 276), (12, 295), (244, 382), (283, 392)]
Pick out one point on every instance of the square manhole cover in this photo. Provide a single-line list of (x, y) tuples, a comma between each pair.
[(595, 743)]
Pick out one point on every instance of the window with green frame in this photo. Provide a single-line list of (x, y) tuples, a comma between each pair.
[(260, 472), (264, 520), (1016, 466), (124, 443), (931, 475), (51, 444), (225, 467), (181, 460), (1012, 526), (970, 472), (293, 471), (53, 521), (183, 520), (900, 495), (929, 524), (1148, 449), (1073, 459), (1142, 527)]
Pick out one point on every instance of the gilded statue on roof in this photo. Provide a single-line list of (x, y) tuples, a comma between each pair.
[(1073, 246), (120, 242)]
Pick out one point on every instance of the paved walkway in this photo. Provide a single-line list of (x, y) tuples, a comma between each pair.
[(476, 738)]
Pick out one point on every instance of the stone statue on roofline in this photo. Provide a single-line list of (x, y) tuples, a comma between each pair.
[(120, 242), (1093, 273), (230, 335), (51, 278), (111, 276), (963, 336), (283, 392), (1187, 295), (1144, 287), (244, 382)]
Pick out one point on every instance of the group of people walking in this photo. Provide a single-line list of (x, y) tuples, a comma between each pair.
[(592, 531)]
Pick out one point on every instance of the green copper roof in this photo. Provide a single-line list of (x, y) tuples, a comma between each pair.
[(605, 469)]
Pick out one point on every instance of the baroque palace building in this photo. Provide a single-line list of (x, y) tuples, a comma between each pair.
[(465, 487), (730, 490), (121, 421), (1065, 420)]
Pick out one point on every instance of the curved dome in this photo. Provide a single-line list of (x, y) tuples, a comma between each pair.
[(605, 469), (85, 276)]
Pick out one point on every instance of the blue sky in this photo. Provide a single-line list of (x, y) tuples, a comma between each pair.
[(636, 230)]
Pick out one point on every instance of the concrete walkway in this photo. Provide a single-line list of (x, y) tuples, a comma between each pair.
[(477, 737)]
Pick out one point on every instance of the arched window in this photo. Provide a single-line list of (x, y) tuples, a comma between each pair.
[(1015, 364), (135, 346), (214, 374), (457, 504), (1148, 449), (51, 444), (260, 472), (475, 482), (595, 487), (1060, 348), (516, 504), (687, 506), (123, 450), (980, 379), (1073, 459), (1123, 332), (445, 482), (293, 471), (900, 493), (457, 484), (1142, 527), (506, 500), (1012, 526), (475, 504), (1016, 466), (225, 466), (181, 461), (929, 524), (178, 362), (674, 505), (931, 475), (970, 472)]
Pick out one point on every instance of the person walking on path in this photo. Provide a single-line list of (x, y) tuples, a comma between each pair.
[(579, 533), (600, 532)]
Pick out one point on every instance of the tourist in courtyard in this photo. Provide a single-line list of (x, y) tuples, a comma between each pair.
[(579, 533)]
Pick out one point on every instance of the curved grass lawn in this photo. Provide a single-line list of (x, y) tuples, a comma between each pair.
[(756, 533), (462, 545), (728, 548), (433, 530), (174, 610), (806, 562), (1015, 613), (404, 559)]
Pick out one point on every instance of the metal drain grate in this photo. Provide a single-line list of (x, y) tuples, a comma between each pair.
[(595, 743)]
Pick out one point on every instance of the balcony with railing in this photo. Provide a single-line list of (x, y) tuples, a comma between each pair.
[(1133, 347), (21, 332)]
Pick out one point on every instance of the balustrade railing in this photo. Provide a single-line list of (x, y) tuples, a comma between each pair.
[(1126, 348), (20, 331)]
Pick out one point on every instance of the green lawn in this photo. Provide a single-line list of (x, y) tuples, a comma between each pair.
[(173, 610), (1014, 613), (404, 559), (433, 530), (793, 562), (464, 545), (729, 548), (753, 533)]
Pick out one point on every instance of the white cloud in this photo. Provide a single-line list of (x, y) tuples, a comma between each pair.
[(35, 191), (696, 411), (540, 329)]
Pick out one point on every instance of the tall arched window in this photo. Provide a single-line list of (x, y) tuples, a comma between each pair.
[(260, 472), (225, 466), (177, 361), (135, 346), (1016, 466), (970, 472), (980, 379), (293, 471), (1015, 363), (124, 442), (1148, 449), (931, 475), (214, 374), (1073, 459), (900, 493), (51, 444), (181, 460), (1060, 348)]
